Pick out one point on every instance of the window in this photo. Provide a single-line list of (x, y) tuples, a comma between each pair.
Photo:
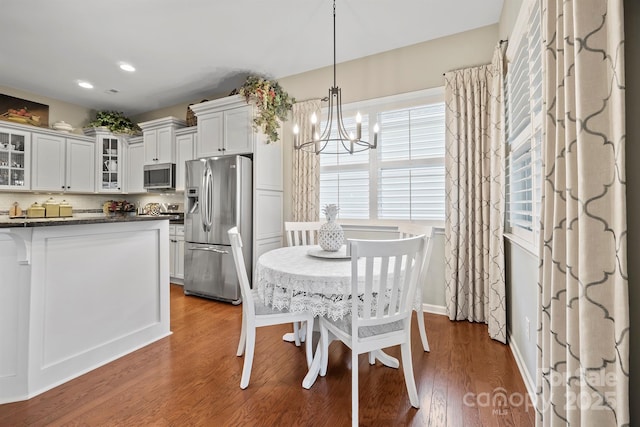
[(523, 93), (403, 179)]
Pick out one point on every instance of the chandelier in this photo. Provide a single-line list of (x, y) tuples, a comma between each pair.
[(335, 139)]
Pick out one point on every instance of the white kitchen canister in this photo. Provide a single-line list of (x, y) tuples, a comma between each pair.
[(330, 235)]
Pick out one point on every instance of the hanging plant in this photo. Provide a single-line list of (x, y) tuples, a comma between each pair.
[(116, 122), (273, 104)]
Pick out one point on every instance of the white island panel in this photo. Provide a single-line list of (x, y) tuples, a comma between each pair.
[(79, 312)]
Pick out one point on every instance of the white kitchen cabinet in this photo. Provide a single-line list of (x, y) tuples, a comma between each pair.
[(80, 171), (110, 158), (224, 127), (238, 134), (159, 138), (60, 163), (15, 160), (135, 162), (185, 150), (176, 253)]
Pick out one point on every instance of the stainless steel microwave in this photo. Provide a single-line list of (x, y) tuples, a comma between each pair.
[(161, 176)]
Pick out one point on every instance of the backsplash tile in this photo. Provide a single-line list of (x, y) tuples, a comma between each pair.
[(83, 203)]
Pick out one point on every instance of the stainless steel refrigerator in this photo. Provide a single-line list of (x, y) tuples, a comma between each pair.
[(218, 196)]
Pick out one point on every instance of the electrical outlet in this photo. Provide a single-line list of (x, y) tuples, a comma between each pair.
[(528, 327)]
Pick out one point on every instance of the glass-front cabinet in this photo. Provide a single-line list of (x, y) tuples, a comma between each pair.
[(14, 159), (111, 164)]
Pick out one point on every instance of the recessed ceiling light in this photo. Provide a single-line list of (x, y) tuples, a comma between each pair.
[(85, 85), (127, 67)]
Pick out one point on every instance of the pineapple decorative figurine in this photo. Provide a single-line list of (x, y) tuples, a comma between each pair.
[(331, 235)]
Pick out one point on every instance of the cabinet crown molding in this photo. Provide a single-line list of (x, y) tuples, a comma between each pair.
[(163, 122), (218, 104)]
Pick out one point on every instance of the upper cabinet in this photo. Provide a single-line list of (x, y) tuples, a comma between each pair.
[(14, 158), (224, 127), (62, 163), (135, 161), (185, 151), (159, 136), (109, 160)]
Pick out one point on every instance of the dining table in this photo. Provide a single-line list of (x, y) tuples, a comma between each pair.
[(306, 278)]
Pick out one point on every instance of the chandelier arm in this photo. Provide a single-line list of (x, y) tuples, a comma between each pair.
[(342, 131), (326, 133)]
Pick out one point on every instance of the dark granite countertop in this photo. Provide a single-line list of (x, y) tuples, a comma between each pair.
[(6, 222)]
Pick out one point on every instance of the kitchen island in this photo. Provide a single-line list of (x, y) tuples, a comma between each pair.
[(77, 293)]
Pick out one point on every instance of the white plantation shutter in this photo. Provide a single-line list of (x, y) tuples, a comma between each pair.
[(411, 164), (349, 190), (404, 177), (523, 94)]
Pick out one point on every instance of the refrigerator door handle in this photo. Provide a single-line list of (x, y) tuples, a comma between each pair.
[(206, 206), (210, 249)]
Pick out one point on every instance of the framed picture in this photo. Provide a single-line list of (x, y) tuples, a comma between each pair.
[(22, 111)]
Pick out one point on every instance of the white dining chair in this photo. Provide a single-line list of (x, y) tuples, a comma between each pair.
[(382, 294), (256, 314), (410, 230), (301, 233)]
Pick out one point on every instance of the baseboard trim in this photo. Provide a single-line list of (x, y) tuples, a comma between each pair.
[(434, 309), (529, 383)]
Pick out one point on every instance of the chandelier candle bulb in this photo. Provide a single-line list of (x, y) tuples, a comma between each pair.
[(358, 127), (376, 129), (314, 120), (296, 131)]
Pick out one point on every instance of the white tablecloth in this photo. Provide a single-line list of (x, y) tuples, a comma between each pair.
[(289, 278)]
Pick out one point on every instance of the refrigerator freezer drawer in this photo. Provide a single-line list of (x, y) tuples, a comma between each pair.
[(210, 272)]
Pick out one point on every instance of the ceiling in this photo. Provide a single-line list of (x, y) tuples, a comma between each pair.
[(185, 50)]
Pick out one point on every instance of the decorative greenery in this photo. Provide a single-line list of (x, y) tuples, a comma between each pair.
[(272, 101), (116, 122)]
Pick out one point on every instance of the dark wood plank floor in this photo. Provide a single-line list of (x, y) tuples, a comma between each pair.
[(192, 378)]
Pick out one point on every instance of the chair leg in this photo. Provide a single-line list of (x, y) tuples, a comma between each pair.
[(407, 367), (243, 336), (248, 357), (423, 331), (354, 388), (308, 342), (372, 358), (296, 333)]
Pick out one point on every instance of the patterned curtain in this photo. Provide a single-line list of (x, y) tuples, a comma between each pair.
[(306, 166), (583, 334), (474, 192)]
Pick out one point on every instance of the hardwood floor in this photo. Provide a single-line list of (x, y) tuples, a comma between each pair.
[(192, 378)]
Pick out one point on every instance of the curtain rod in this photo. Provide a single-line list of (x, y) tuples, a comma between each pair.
[(501, 42), (325, 99)]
